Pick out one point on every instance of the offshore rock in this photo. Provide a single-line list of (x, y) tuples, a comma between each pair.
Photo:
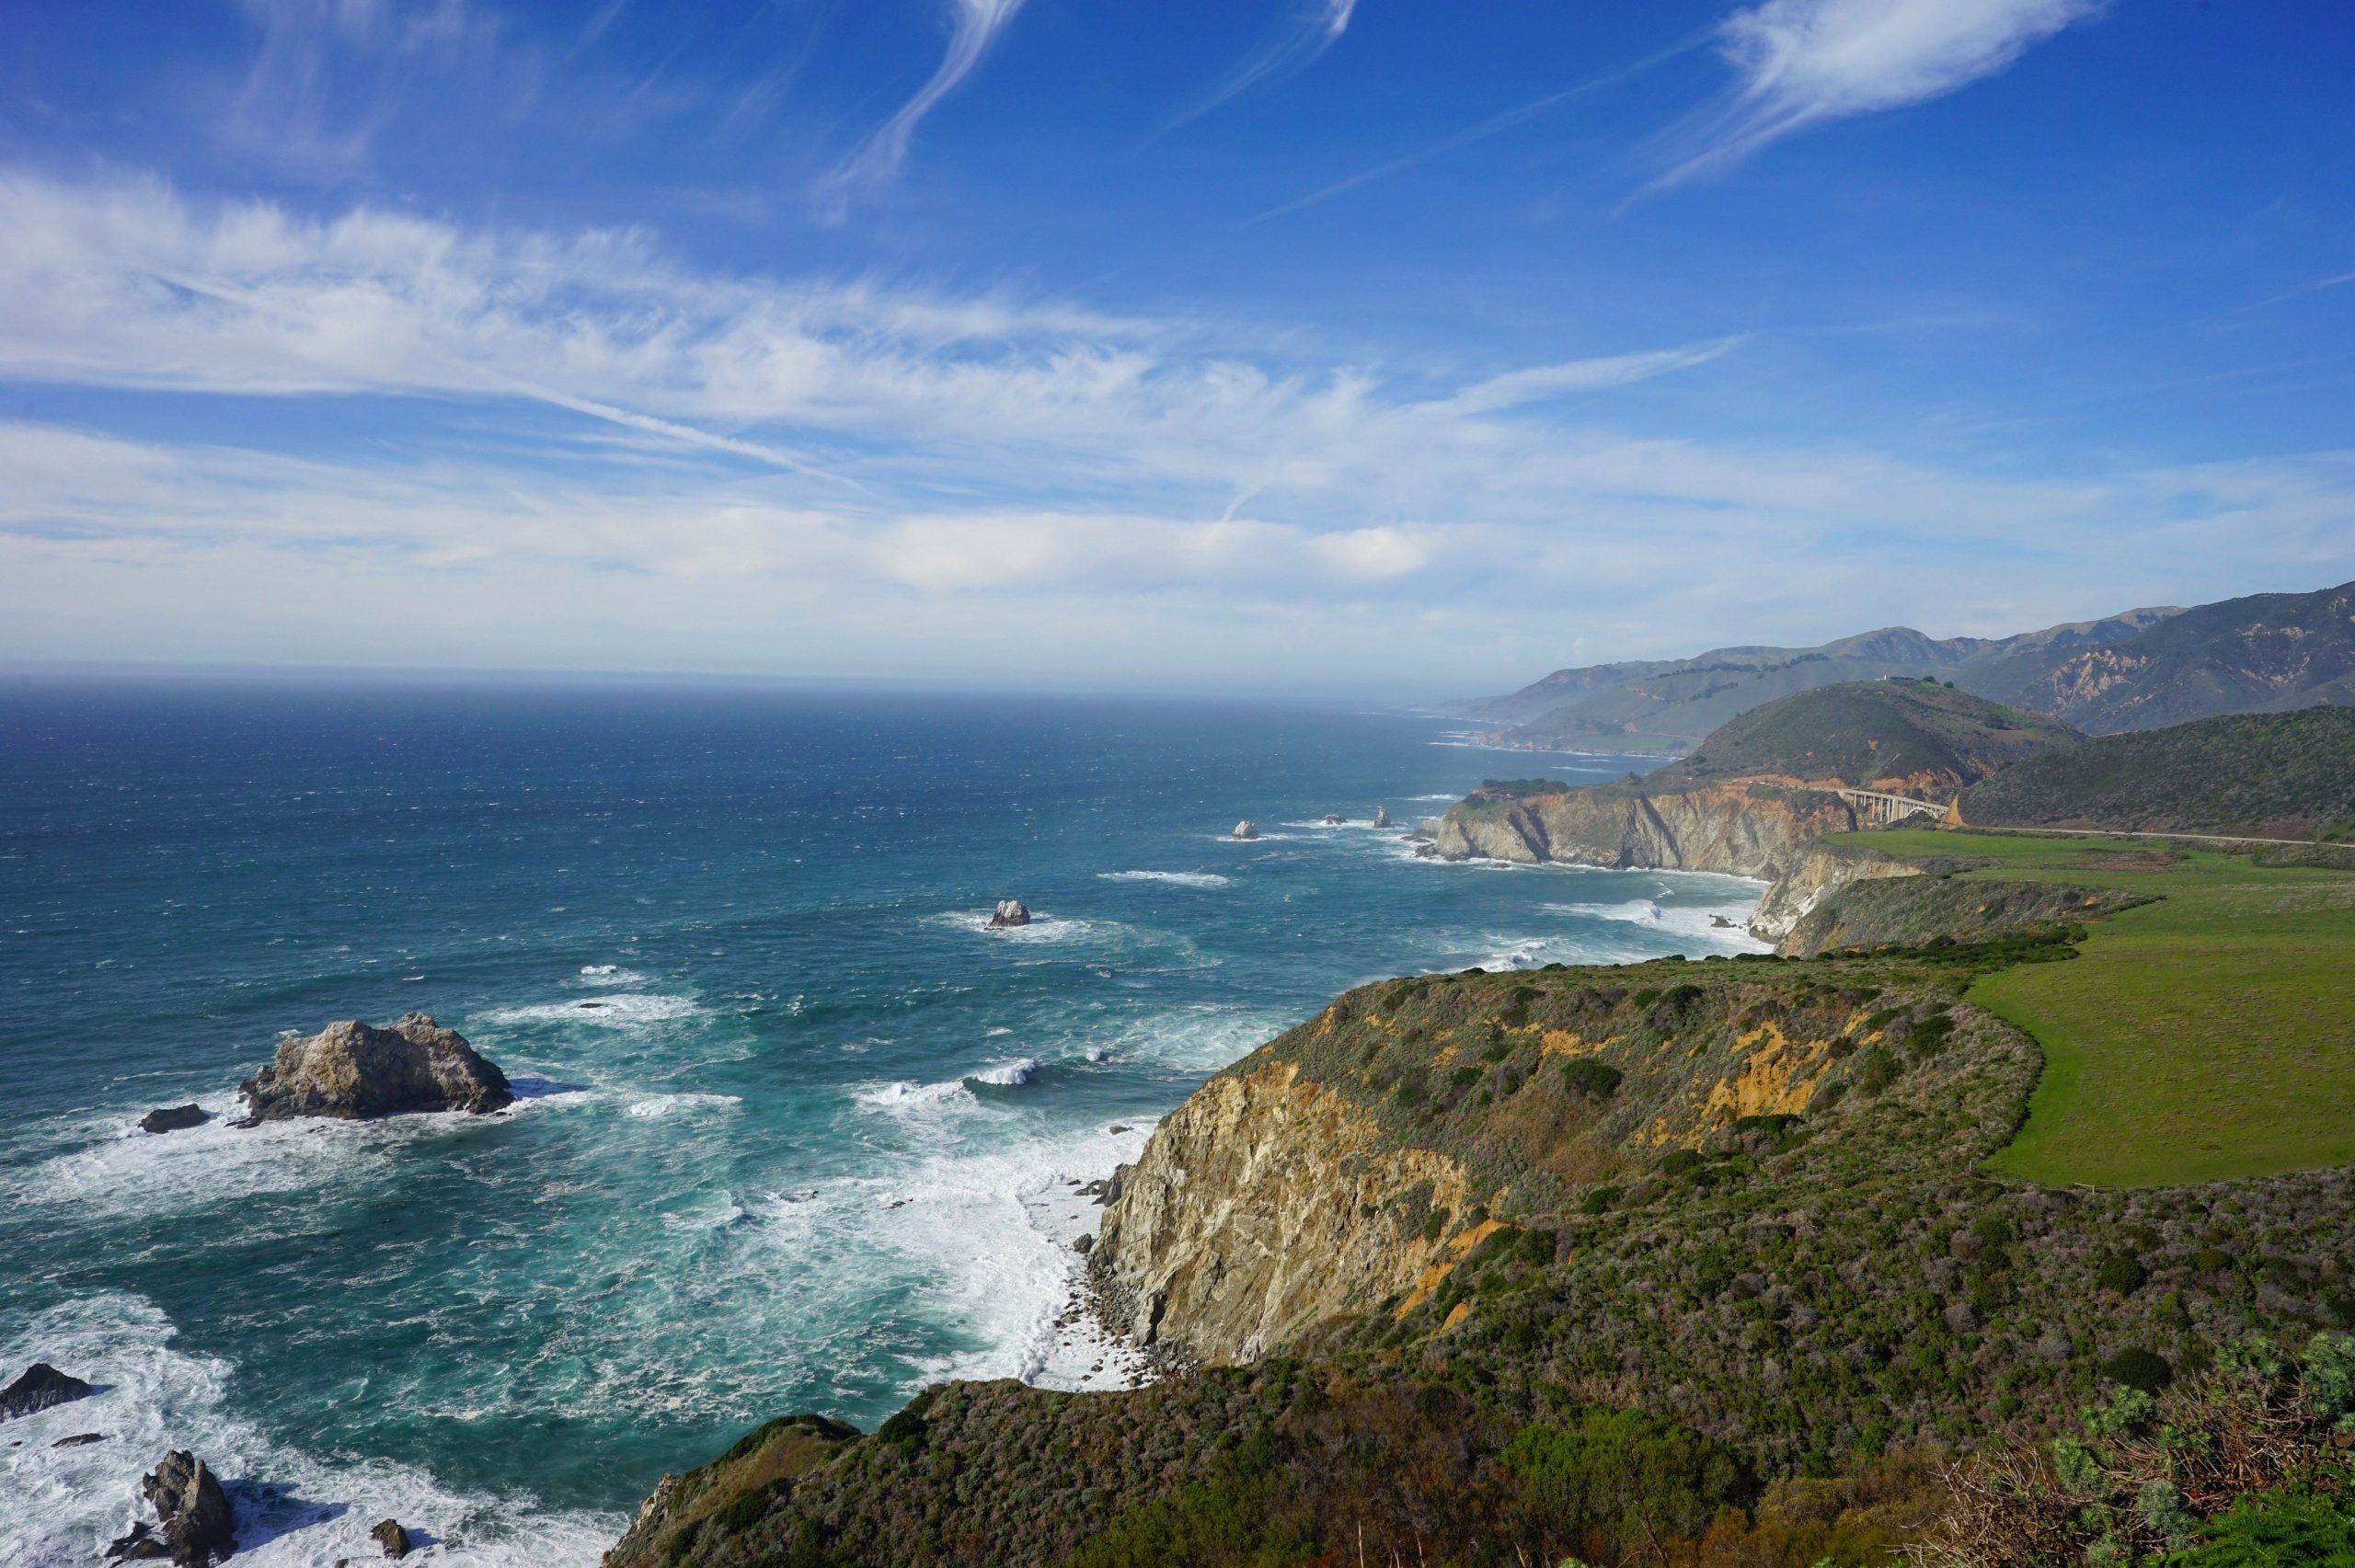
[(1247, 829), (193, 1528), (1332, 819), (1382, 817), (41, 1387), (1010, 911), (173, 1118), (355, 1073), (389, 1535)]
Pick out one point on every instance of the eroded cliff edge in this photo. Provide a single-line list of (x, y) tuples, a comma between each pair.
[(1740, 828)]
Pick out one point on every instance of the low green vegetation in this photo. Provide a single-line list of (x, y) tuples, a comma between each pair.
[(2209, 1032)]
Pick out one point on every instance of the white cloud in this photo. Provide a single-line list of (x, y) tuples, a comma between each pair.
[(1307, 29), (974, 23), (580, 451), (1804, 61), (1539, 382)]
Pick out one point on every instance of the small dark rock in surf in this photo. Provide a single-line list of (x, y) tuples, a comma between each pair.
[(173, 1118), (41, 1387)]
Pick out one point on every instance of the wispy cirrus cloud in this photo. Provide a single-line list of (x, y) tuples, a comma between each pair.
[(1801, 63), (1306, 30), (974, 25), (1515, 388)]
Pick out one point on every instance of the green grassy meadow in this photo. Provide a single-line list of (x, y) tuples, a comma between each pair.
[(2209, 1035)]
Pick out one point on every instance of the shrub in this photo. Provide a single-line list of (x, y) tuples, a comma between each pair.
[(1599, 1201), (2139, 1369), (1626, 1475), (1878, 1071), (1683, 1162), (2270, 1530), (1595, 1080), (2121, 1274)]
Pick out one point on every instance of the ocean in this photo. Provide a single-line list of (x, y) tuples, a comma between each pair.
[(799, 1131)]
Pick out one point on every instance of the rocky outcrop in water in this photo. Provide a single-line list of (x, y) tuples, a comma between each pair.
[(1262, 1206), (1382, 817), (389, 1535), (1740, 828), (1247, 829), (192, 1513), (352, 1071), (1009, 913), (42, 1387), (173, 1118)]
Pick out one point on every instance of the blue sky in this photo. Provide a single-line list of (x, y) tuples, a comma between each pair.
[(1334, 346)]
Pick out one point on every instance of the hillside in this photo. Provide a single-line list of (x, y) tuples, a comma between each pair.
[(1748, 801), (1664, 705), (1914, 735), (2271, 775), (1665, 1264), (2266, 652)]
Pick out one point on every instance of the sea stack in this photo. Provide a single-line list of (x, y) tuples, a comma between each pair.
[(1382, 817), (1010, 911), (1247, 829), (41, 1387), (193, 1514), (354, 1072), (173, 1118)]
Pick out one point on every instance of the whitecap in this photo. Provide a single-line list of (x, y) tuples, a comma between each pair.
[(626, 1010), (1009, 1074), (670, 1105), (1180, 878), (1043, 928)]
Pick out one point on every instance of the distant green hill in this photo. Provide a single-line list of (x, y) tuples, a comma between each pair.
[(2271, 775), (1915, 735), (2266, 652), (1666, 704)]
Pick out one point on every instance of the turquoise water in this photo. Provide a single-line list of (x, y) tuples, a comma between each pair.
[(797, 1132)]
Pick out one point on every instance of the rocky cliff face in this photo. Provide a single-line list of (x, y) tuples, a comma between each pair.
[(1264, 1204), (1741, 829), (1820, 872)]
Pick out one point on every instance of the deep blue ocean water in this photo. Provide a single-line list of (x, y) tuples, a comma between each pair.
[(799, 1131)]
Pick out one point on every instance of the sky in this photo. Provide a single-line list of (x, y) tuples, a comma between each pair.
[(1368, 349)]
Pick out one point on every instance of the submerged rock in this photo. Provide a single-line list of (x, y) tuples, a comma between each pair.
[(1382, 817), (41, 1387), (173, 1118), (193, 1528), (1010, 911), (389, 1535), (1247, 829), (353, 1071), (79, 1439), (1332, 819)]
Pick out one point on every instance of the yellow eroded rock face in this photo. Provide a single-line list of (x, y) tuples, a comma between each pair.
[(1264, 1204)]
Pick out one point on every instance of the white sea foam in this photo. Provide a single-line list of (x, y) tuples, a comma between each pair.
[(1180, 878), (122, 1170), (628, 1009), (1043, 928), (1009, 1074), (904, 1094), (291, 1509), (609, 975), (673, 1104)]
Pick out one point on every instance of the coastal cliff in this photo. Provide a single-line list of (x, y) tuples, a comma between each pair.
[(1742, 827), (1263, 1206), (1820, 872)]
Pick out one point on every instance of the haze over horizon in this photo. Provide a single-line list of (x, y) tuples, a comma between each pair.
[(1310, 347)]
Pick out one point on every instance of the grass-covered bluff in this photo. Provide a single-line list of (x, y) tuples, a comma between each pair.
[(1684, 1330)]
